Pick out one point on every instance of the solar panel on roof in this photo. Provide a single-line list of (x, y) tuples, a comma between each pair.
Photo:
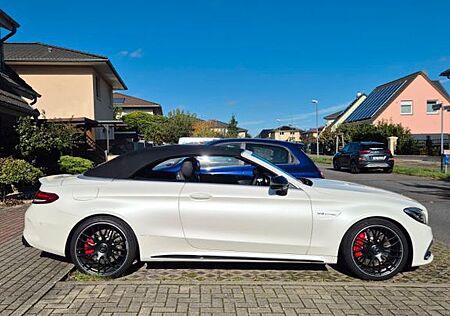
[(373, 103)]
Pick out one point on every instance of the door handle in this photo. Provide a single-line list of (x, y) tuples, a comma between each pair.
[(200, 196)]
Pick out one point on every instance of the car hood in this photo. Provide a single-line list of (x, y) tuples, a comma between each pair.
[(355, 188)]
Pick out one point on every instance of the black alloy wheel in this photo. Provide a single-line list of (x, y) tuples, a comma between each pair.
[(354, 167), (375, 250), (103, 246), (336, 165)]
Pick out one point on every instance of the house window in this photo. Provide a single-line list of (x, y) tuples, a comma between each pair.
[(406, 107), (430, 104), (97, 87), (118, 100)]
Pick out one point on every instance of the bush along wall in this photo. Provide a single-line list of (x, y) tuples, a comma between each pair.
[(16, 172), (74, 165)]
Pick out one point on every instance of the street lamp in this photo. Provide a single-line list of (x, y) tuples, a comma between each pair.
[(316, 102), (437, 107)]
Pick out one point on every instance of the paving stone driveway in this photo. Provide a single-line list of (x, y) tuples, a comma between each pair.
[(29, 285), (25, 273), (243, 299)]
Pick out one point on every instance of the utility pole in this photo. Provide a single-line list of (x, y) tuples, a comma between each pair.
[(316, 102)]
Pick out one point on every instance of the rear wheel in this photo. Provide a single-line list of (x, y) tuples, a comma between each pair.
[(374, 249), (354, 167), (103, 246)]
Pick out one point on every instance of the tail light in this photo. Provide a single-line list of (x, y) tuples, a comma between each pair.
[(364, 152), (44, 197)]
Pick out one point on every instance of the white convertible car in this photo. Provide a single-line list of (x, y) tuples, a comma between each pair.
[(163, 204)]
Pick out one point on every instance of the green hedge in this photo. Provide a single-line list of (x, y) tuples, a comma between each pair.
[(15, 172), (74, 165)]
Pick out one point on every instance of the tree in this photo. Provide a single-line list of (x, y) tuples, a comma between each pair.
[(205, 129), (232, 130), (154, 128), (180, 124), (118, 111), (42, 143)]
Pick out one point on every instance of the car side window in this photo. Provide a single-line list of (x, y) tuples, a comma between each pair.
[(353, 147), (166, 170), (231, 170), (346, 148), (212, 162), (274, 154), (232, 145)]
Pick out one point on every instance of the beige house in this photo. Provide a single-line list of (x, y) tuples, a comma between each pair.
[(129, 104), (285, 133), (222, 128), (73, 84)]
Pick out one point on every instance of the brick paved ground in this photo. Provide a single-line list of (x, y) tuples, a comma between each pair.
[(25, 273), (134, 298), (29, 284)]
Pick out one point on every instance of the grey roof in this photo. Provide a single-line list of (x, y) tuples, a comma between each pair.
[(441, 88), (45, 52), (264, 133), (445, 73), (40, 53), (131, 101), (334, 115), (220, 124), (381, 97)]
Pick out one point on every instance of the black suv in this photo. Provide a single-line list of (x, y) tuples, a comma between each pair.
[(364, 155)]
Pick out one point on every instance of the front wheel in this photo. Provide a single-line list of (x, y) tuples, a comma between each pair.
[(374, 249), (336, 165), (103, 246)]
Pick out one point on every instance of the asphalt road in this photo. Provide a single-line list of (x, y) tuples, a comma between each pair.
[(435, 195)]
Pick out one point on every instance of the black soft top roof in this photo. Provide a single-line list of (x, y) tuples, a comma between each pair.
[(125, 166)]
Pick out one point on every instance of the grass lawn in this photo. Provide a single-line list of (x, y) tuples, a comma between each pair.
[(398, 168)]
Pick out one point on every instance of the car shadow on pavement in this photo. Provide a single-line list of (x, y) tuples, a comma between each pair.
[(237, 266), (430, 189)]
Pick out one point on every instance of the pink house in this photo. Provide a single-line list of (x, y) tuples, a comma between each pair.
[(407, 101)]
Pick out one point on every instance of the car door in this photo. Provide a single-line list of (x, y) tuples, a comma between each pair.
[(344, 159), (245, 218)]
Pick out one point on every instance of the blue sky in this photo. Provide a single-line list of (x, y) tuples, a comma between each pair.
[(261, 60)]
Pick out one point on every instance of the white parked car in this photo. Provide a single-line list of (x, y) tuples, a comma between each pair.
[(161, 204)]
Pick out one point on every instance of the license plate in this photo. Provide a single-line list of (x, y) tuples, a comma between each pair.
[(378, 158)]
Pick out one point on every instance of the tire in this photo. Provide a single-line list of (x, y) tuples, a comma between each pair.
[(103, 246), (336, 165), (388, 170), (354, 167), (361, 254)]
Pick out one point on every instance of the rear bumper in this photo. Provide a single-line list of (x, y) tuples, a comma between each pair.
[(45, 231), (375, 164)]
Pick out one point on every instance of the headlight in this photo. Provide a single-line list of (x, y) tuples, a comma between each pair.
[(417, 213)]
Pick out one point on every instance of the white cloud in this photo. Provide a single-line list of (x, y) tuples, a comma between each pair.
[(231, 102), (132, 54), (307, 115), (249, 123)]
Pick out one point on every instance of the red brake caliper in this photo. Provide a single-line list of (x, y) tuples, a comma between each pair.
[(88, 246), (358, 245)]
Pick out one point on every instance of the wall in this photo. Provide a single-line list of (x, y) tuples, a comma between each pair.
[(287, 135), (66, 91), (103, 103), (419, 122)]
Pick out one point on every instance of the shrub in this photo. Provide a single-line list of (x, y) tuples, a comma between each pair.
[(15, 172), (42, 143), (74, 165)]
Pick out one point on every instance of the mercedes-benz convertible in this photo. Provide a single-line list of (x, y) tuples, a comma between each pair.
[(135, 208)]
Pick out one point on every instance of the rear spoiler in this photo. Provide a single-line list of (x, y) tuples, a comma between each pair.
[(55, 180)]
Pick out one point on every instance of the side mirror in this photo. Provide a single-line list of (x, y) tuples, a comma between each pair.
[(279, 185)]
